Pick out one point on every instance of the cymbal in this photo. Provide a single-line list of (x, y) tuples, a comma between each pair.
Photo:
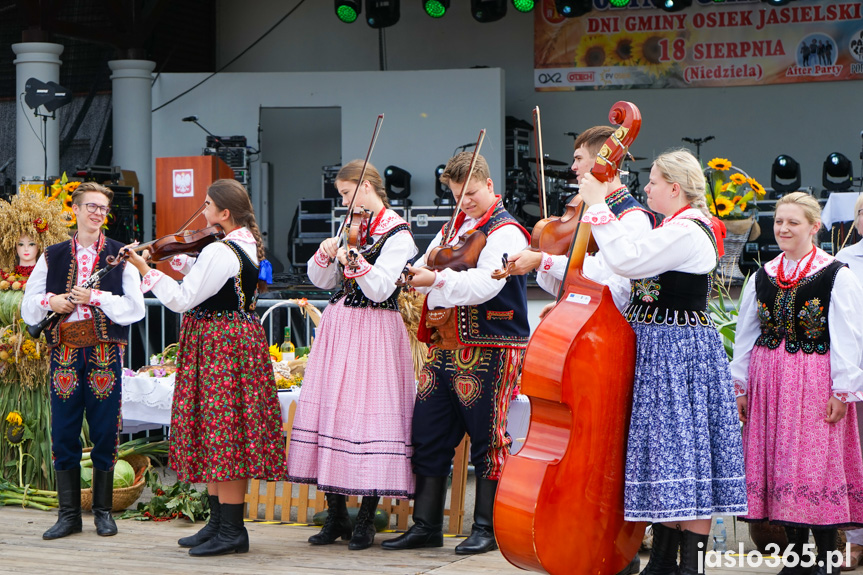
[(548, 162)]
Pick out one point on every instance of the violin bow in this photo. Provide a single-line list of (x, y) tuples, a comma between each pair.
[(450, 234), (112, 260), (540, 163), (378, 124)]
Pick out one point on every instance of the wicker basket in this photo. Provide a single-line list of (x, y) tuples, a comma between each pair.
[(125, 496)]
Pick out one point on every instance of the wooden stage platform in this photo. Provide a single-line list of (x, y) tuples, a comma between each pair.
[(148, 547)]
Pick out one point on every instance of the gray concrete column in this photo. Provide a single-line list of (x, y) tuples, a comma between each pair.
[(133, 127), (40, 60)]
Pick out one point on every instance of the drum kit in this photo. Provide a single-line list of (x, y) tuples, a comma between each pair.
[(522, 200)]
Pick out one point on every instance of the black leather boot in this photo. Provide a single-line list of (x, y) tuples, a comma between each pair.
[(210, 530), (103, 501), (69, 499), (364, 530), (427, 530), (634, 566), (338, 524), (232, 537), (481, 538), (825, 544), (797, 538), (693, 546), (663, 555)]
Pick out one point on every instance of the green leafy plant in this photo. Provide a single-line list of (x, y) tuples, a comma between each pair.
[(725, 311), (178, 500)]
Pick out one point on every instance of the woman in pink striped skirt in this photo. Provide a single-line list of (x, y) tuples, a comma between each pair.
[(352, 430), (797, 377)]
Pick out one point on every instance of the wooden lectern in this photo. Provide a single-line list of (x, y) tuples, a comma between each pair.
[(181, 188)]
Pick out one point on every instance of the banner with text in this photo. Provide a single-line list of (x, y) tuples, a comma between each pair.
[(731, 43)]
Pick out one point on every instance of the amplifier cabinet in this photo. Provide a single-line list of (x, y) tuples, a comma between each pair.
[(328, 181), (426, 222), (302, 251), (314, 218)]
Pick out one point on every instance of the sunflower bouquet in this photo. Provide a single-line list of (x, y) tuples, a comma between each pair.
[(61, 192), (730, 192)]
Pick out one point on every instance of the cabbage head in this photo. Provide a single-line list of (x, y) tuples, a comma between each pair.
[(124, 475)]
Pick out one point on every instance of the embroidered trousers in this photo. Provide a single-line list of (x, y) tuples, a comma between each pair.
[(86, 379), (465, 390)]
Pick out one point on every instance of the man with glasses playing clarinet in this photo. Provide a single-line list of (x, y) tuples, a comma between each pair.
[(86, 345)]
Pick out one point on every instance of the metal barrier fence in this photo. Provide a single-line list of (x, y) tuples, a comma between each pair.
[(161, 327)]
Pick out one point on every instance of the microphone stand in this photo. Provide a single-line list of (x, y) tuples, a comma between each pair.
[(697, 142), (214, 136)]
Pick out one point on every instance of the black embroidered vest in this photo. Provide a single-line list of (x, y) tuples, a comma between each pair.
[(238, 295), (63, 275), (672, 298), (797, 315), (351, 290), (621, 203), (502, 320)]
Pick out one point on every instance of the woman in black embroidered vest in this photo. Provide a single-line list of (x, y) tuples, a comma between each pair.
[(684, 460), (797, 374), (352, 429), (226, 425)]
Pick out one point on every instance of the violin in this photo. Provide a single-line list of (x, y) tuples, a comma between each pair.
[(573, 458), (189, 242), (554, 235), (464, 255), (356, 221)]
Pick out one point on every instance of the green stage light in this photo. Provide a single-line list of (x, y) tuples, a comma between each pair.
[(619, 3), (523, 5), (436, 8), (348, 10)]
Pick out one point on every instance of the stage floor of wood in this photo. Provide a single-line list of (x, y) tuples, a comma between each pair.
[(148, 547)]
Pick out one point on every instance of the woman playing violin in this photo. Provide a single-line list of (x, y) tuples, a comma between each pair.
[(226, 425), (86, 353), (361, 357), (684, 459), (480, 333), (551, 268)]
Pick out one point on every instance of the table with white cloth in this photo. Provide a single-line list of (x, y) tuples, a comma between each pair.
[(839, 208), (147, 405), (147, 402)]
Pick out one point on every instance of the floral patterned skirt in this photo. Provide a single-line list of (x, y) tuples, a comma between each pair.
[(226, 420), (684, 457), (352, 429), (799, 469)]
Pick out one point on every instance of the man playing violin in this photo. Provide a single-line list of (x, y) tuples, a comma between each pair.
[(477, 327), (551, 268), (86, 347)]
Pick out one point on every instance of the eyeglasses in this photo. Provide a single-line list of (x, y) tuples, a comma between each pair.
[(97, 209)]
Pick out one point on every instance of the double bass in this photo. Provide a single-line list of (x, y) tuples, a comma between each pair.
[(568, 476)]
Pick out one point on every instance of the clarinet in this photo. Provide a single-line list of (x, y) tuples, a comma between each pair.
[(35, 331)]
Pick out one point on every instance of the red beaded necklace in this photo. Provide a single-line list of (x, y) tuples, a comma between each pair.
[(787, 283)]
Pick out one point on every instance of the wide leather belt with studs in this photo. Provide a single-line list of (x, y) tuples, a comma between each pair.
[(78, 333)]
